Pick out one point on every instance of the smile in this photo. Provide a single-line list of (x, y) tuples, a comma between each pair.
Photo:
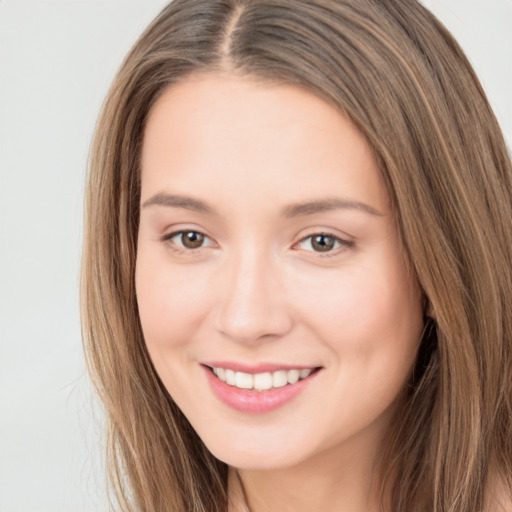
[(260, 391), (261, 381)]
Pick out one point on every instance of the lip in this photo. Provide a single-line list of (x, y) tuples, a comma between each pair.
[(259, 368), (256, 402)]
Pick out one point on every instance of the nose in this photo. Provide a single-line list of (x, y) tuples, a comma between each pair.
[(252, 306)]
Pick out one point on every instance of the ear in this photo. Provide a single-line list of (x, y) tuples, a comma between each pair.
[(428, 309)]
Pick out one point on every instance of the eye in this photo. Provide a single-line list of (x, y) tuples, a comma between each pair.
[(188, 239), (323, 242)]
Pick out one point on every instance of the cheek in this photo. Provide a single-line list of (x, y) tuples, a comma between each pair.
[(369, 315), (171, 303)]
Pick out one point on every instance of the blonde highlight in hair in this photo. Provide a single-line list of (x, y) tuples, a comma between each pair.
[(398, 74)]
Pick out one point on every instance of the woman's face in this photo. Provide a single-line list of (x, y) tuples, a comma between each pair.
[(267, 252)]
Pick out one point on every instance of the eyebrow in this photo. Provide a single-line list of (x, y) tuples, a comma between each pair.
[(326, 205), (290, 211), (178, 201)]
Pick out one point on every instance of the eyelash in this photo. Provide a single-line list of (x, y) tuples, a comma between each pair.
[(181, 249), (341, 243)]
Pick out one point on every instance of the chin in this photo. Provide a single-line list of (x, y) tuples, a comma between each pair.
[(258, 454), (250, 460)]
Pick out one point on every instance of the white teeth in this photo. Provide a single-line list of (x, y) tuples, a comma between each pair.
[(243, 380), (293, 376), (305, 373), (230, 377), (279, 379), (261, 381)]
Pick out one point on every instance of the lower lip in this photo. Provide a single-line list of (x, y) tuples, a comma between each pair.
[(250, 401)]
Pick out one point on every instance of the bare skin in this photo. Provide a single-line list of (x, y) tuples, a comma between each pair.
[(266, 238)]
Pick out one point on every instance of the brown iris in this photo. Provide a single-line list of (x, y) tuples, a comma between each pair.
[(192, 239), (322, 243)]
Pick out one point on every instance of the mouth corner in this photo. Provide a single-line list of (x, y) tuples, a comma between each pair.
[(263, 377)]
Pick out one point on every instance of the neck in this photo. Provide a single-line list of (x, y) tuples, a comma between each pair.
[(337, 480)]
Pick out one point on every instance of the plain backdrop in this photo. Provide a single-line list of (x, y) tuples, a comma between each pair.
[(57, 59)]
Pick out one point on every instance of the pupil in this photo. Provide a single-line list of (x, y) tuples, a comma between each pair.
[(192, 240), (322, 243)]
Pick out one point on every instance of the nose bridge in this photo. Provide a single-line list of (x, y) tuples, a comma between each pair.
[(252, 304)]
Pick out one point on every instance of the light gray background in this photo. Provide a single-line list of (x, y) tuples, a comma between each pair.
[(57, 58)]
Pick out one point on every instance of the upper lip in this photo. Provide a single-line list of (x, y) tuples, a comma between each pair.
[(257, 368)]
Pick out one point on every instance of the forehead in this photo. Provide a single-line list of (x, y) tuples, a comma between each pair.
[(272, 139)]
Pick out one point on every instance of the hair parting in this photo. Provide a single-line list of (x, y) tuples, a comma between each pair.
[(401, 78)]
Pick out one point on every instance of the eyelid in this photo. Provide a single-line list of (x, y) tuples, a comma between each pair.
[(167, 238), (343, 243)]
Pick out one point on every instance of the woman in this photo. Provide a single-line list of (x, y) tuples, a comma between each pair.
[(296, 273)]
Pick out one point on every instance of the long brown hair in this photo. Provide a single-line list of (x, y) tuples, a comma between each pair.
[(398, 74)]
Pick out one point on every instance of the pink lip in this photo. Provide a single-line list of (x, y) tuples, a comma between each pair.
[(245, 400), (259, 368)]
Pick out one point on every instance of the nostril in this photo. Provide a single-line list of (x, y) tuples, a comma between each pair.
[(251, 305), (249, 323)]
